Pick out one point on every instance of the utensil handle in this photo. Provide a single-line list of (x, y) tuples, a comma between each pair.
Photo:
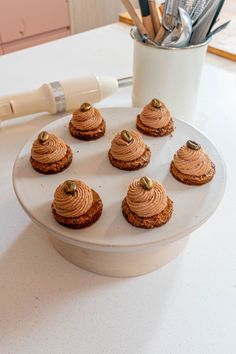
[(135, 18), (160, 34), (218, 29), (155, 15), (218, 10), (147, 19)]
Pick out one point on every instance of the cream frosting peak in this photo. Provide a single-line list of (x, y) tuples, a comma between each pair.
[(154, 117), (146, 203), (87, 120), (52, 150), (128, 151), (192, 162), (73, 205)]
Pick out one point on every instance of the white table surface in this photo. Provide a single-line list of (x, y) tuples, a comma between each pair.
[(48, 305)]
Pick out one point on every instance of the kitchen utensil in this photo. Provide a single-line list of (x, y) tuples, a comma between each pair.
[(201, 27), (218, 29), (181, 34), (147, 19), (142, 30), (222, 45), (187, 5), (215, 18), (170, 14), (197, 10), (155, 15)]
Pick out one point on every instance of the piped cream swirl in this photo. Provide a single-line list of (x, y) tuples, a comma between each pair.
[(52, 150), (87, 120), (155, 117), (73, 205), (192, 162), (146, 203), (128, 151)]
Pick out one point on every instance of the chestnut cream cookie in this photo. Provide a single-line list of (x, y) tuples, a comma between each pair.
[(155, 119), (191, 165), (87, 123), (128, 151), (50, 154), (75, 205), (146, 204)]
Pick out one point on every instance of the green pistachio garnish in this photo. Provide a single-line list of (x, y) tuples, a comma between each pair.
[(69, 187), (193, 145), (85, 107), (43, 137), (156, 103), (126, 136), (146, 183)]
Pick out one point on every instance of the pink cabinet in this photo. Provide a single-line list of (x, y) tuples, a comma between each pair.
[(24, 23)]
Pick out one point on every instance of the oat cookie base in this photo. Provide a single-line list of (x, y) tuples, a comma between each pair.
[(190, 179), (150, 222), (88, 134), (89, 218), (55, 167), (168, 129), (142, 161)]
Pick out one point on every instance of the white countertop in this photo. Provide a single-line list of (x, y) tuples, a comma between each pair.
[(50, 306)]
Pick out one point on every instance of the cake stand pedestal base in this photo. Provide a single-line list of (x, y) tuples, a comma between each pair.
[(123, 263)]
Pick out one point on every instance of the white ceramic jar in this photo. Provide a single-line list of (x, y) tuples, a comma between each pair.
[(170, 74)]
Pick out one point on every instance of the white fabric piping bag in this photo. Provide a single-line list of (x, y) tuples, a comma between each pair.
[(58, 96)]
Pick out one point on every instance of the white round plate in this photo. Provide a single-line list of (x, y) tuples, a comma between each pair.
[(193, 205)]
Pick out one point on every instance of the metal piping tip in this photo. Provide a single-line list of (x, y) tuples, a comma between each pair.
[(125, 81)]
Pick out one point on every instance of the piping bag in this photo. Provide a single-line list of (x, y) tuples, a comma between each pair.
[(60, 96)]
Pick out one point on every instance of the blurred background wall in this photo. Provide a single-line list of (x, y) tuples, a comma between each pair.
[(25, 23), (87, 14)]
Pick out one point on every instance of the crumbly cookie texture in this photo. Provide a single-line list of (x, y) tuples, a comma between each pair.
[(150, 222), (168, 129), (190, 179), (88, 134), (142, 161), (85, 220), (55, 167)]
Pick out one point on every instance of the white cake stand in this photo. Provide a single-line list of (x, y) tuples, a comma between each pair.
[(112, 246)]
